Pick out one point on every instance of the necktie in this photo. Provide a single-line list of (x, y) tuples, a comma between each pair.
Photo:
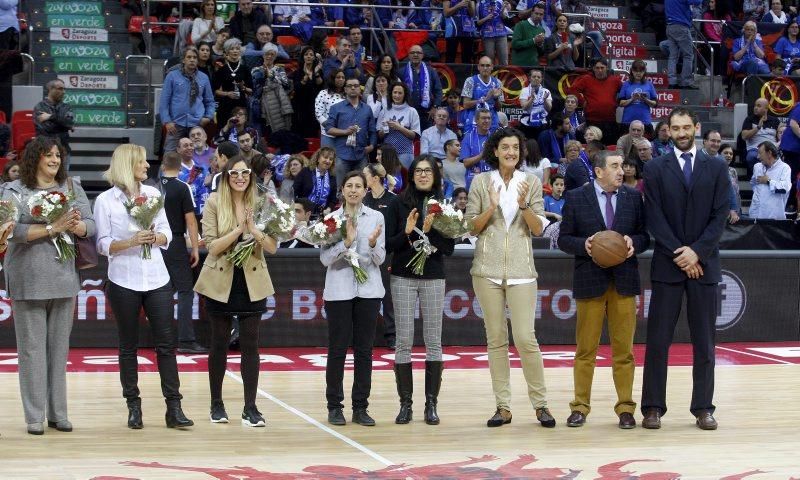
[(687, 167), (609, 209)]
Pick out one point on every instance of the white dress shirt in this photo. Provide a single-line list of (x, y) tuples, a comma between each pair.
[(681, 161), (767, 202), (127, 268)]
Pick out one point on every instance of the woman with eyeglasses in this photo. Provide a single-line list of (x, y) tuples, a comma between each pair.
[(231, 291), (637, 96), (408, 230), (507, 209)]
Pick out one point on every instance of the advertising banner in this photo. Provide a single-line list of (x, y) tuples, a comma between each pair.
[(73, 8), (84, 65), (90, 82), (76, 21), (78, 34), (99, 117), (78, 98), (82, 50)]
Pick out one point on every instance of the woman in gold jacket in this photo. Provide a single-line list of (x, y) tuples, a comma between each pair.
[(507, 208), (234, 291)]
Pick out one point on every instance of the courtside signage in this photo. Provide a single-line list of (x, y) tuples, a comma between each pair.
[(79, 50), (73, 8), (621, 38), (84, 65), (603, 12), (90, 82), (77, 98), (660, 80), (99, 117), (615, 25), (92, 21), (624, 65), (78, 34)]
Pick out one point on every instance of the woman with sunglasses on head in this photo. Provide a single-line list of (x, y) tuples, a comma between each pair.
[(408, 230), (232, 291), (637, 96), (507, 209)]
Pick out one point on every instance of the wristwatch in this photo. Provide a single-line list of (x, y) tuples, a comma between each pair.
[(49, 229)]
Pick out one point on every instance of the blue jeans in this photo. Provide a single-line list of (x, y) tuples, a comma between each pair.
[(679, 43)]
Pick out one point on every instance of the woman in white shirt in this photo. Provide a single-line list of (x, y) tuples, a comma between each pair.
[(534, 163), (206, 26), (135, 283), (333, 94)]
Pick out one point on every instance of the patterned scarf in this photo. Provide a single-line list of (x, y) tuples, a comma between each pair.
[(424, 83), (322, 188), (194, 88)]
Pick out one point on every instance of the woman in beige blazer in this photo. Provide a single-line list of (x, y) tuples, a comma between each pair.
[(233, 291), (507, 208)]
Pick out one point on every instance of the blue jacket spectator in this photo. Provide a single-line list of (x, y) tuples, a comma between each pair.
[(637, 95)]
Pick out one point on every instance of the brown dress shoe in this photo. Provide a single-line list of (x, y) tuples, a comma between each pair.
[(626, 421), (705, 421), (500, 418), (576, 419), (652, 418), (545, 418)]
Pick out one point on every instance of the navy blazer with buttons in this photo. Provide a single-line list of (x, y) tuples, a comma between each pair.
[(582, 218), (691, 215)]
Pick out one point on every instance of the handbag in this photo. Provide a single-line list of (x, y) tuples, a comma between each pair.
[(85, 247)]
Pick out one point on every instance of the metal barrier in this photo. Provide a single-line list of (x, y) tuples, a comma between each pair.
[(148, 92), (589, 16), (32, 61), (707, 43)]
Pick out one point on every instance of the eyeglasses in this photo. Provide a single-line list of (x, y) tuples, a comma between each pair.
[(240, 173), (423, 171), (415, 53), (354, 85), (485, 65)]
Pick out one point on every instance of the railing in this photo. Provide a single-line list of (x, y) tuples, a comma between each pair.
[(32, 61), (588, 16), (709, 65), (129, 110)]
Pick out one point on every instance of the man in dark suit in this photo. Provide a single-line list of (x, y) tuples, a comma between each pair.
[(687, 202), (604, 204)]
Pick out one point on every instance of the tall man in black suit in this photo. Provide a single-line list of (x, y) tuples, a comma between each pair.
[(686, 204), (604, 204)]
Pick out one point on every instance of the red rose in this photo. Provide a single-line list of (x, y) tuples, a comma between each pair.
[(435, 209), (330, 225), (61, 197), (139, 201), (36, 211)]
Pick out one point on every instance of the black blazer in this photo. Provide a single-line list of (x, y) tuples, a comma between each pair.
[(581, 218), (304, 185), (686, 215), (576, 175)]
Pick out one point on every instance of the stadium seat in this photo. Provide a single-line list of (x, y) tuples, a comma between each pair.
[(313, 144), (22, 116), (2, 116), (21, 132)]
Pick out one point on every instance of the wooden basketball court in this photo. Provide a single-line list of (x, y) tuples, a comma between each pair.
[(756, 389)]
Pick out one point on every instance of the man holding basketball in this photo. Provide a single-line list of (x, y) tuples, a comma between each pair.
[(687, 201), (604, 204)]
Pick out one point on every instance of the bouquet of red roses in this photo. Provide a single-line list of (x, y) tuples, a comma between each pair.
[(448, 220), (143, 210), (48, 207), (328, 231)]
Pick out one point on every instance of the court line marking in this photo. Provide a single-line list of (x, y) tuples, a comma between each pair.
[(776, 360), (376, 456)]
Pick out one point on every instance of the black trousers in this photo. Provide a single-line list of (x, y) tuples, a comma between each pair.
[(467, 49), (126, 305), (701, 308), (350, 321), (218, 356), (9, 39)]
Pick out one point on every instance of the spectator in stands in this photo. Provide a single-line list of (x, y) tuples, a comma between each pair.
[(776, 13), (748, 52), (455, 173), (632, 175), (425, 87), (307, 81), (754, 9), (325, 16), (387, 156), (206, 26), (291, 170), (712, 140), (727, 153), (10, 172), (554, 202), (264, 37), (579, 166), (331, 95), (378, 100), (218, 47), (233, 83), (192, 174), (535, 163), (433, 138), (493, 31), (626, 145), (399, 124), (244, 24), (662, 144), (758, 128), (54, 118), (481, 91), (459, 29), (779, 133), (679, 35), (576, 118), (9, 25), (204, 63), (637, 96), (563, 47), (135, 283), (249, 152), (778, 68), (316, 181), (788, 48), (599, 92), (291, 12), (270, 106), (222, 155), (302, 215), (235, 126), (772, 182), (455, 113), (187, 100), (356, 36), (592, 133), (180, 211), (460, 199), (553, 141), (644, 150), (41, 287), (472, 146), (536, 101), (528, 41), (201, 152), (713, 31), (352, 125), (344, 60), (387, 65)]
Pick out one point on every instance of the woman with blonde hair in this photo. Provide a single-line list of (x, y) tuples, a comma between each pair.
[(234, 291), (135, 283), (593, 133), (317, 182)]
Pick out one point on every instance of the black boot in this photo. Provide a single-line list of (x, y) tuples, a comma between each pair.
[(405, 390), (433, 381), (135, 414), (175, 417)]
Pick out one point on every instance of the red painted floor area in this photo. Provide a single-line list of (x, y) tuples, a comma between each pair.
[(313, 359)]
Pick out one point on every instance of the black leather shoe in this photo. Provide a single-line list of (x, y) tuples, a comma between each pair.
[(135, 417), (652, 419), (336, 417), (361, 417), (61, 425), (175, 418), (191, 347), (501, 417), (706, 421), (626, 421), (576, 419), (545, 418)]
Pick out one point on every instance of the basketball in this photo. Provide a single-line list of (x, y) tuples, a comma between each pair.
[(609, 248)]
